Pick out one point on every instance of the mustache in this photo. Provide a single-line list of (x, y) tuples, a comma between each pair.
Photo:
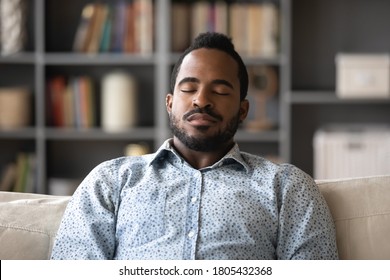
[(205, 110)]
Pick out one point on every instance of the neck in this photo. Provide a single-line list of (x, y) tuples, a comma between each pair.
[(199, 159)]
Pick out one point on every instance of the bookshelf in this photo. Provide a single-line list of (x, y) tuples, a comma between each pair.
[(304, 98), (321, 29)]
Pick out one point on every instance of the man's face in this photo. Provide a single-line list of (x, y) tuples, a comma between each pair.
[(205, 108)]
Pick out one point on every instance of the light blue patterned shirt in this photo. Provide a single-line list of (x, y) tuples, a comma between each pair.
[(159, 207)]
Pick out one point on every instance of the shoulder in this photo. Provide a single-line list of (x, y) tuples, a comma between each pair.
[(121, 165), (111, 175), (265, 168), (283, 175)]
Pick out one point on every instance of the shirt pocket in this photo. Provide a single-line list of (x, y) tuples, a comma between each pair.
[(141, 217)]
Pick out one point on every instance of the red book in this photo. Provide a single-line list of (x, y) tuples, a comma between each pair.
[(56, 89)]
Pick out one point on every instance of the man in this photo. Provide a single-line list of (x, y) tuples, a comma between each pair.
[(198, 196)]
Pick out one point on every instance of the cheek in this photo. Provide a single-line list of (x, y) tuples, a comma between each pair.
[(180, 104)]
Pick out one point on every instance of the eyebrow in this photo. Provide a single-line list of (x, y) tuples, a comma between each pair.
[(196, 80)]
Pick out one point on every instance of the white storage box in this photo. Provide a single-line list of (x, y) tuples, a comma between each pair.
[(363, 75), (345, 152)]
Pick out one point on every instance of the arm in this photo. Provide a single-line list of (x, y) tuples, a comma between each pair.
[(306, 228), (87, 230)]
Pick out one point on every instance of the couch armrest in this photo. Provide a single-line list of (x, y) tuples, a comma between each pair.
[(28, 224)]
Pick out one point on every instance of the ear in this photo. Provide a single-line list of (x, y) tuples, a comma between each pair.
[(168, 102), (244, 109)]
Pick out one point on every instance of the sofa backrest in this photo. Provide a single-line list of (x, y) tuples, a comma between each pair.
[(361, 211)]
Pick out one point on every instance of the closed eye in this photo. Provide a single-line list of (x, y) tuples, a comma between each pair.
[(188, 90), (222, 93)]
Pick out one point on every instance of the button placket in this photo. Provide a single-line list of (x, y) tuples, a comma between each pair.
[(193, 208)]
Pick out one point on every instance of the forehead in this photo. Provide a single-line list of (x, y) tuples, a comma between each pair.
[(209, 63)]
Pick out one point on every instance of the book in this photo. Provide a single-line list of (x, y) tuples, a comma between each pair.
[(84, 28), (8, 177), (105, 41), (56, 88), (75, 91), (129, 40), (118, 28), (200, 18), (143, 26), (221, 17), (68, 108), (97, 29), (180, 28), (126, 26), (85, 97), (255, 29), (238, 26), (21, 172), (30, 182), (72, 102), (270, 30)]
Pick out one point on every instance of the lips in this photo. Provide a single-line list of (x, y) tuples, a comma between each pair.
[(201, 119)]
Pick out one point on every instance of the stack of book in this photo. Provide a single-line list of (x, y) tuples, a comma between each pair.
[(20, 176), (71, 103), (253, 26), (125, 27)]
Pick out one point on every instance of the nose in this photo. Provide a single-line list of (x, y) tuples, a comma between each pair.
[(202, 99)]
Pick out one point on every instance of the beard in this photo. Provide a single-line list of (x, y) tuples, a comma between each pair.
[(206, 143)]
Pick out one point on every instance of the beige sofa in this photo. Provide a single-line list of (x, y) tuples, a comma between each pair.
[(360, 208)]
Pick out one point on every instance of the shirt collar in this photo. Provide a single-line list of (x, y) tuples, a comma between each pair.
[(233, 155)]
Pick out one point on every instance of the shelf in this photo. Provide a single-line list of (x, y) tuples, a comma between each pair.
[(98, 59), (136, 134), (19, 58), (22, 133), (329, 97)]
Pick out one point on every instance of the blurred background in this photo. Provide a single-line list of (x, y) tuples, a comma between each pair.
[(83, 81)]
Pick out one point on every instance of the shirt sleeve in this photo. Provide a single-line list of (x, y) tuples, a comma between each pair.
[(306, 227), (87, 230)]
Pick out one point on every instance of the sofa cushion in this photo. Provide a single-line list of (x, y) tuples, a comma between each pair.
[(361, 211), (28, 224)]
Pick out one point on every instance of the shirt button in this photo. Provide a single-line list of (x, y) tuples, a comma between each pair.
[(193, 199), (191, 234)]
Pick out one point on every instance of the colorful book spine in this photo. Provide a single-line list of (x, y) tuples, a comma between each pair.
[(72, 103)]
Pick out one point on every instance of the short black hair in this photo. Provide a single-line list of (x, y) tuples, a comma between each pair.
[(219, 41)]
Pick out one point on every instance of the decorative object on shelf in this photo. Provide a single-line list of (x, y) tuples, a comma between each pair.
[(15, 107), (363, 75), (263, 86), (12, 26), (345, 151), (119, 102)]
